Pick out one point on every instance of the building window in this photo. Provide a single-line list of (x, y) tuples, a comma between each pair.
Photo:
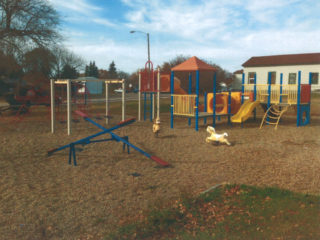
[(273, 77), (251, 77), (315, 78), (292, 78)]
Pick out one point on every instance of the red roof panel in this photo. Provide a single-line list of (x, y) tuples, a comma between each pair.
[(194, 64), (238, 71)]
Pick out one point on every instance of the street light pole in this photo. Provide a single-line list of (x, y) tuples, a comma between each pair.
[(148, 46), (148, 52)]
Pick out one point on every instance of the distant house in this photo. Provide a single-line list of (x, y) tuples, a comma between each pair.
[(288, 65), (237, 84), (94, 87)]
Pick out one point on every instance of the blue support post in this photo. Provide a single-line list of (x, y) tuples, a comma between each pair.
[(205, 107), (70, 152), (197, 99), (281, 81), (190, 91), (85, 94), (214, 99), (298, 100), (255, 95), (269, 95), (144, 106), (229, 107), (242, 89), (151, 107), (172, 91), (310, 81), (280, 100)]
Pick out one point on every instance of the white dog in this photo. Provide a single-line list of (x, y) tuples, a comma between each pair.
[(216, 137)]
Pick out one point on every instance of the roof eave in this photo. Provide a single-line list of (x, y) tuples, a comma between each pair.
[(270, 65)]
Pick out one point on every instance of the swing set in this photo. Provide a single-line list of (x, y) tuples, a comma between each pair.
[(69, 101)]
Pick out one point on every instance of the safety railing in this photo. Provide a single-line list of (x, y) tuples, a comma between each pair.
[(290, 94), (262, 92), (184, 104), (274, 93), (248, 88)]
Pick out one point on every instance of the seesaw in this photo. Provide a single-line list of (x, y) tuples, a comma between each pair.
[(114, 137)]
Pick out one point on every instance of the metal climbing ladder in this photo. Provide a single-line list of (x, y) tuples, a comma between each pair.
[(148, 107), (274, 113)]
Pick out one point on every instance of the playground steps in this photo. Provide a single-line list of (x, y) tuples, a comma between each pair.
[(148, 105)]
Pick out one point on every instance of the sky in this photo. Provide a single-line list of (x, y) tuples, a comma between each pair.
[(224, 32)]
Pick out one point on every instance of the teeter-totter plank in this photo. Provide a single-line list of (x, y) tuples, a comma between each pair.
[(115, 137), (126, 121), (159, 160)]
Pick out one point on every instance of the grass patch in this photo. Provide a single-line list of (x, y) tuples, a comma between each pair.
[(230, 212), (315, 95)]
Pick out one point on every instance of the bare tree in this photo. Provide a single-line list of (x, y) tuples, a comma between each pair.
[(65, 57), (28, 22)]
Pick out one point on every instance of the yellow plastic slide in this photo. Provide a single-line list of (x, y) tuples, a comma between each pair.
[(245, 111)]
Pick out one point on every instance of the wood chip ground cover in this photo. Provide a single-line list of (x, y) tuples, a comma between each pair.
[(43, 197)]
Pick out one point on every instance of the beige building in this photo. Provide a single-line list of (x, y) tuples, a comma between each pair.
[(288, 65)]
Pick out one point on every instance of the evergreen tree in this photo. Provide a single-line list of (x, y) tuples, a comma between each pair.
[(69, 72), (112, 71), (92, 70)]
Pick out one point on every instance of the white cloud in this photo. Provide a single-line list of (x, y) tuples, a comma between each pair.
[(80, 6), (227, 32), (103, 22)]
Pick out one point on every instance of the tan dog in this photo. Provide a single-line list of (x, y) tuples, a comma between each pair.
[(216, 137)]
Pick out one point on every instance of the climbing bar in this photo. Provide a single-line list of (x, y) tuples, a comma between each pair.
[(277, 113)]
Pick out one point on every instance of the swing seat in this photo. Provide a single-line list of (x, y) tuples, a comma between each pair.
[(82, 114)]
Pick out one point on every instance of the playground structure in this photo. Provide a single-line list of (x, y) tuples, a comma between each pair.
[(67, 83), (37, 95), (156, 82), (187, 105), (114, 137), (150, 83), (274, 99)]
